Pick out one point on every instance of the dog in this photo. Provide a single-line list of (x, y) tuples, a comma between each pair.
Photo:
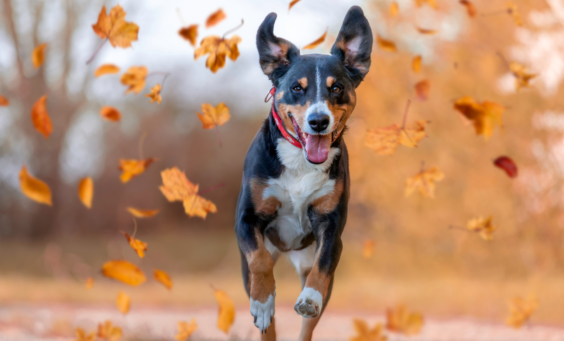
[(295, 186)]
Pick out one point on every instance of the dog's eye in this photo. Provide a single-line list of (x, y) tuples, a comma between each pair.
[(336, 89), (298, 88)]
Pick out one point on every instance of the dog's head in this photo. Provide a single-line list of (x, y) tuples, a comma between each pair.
[(315, 94)]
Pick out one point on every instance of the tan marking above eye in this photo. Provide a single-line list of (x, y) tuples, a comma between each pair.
[(303, 82), (330, 81)]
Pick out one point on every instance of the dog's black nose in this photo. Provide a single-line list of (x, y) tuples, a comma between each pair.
[(318, 122)]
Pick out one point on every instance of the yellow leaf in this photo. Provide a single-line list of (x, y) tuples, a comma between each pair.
[(134, 78), (394, 9), (113, 27), (422, 89), (40, 117), (520, 311), (483, 226), (82, 336), (522, 77), (110, 113), (38, 55), (155, 94), (4, 102), (189, 33), (426, 31), (431, 3), (215, 18), (416, 64), (400, 320), (86, 191), (485, 116), (218, 49), (386, 45), (163, 277), (213, 117), (469, 8), (123, 302), (364, 333), (123, 271), (132, 168), (385, 140), (142, 213), (512, 10), (137, 245), (89, 283), (34, 189), (368, 248), (226, 311), (424, 182), (292, 4), (106, 69), (185, 330), (316, 43), (108, 332)]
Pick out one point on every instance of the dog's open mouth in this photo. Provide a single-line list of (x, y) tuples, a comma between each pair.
[(316, 146)]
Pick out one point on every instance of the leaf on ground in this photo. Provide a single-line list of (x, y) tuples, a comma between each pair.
[(422, 89), (482, 226), (186, 329), (142, 213), (123, 302), (522, 77), (469, 8), (132, 168), (110, 114), (155, 94), (86, 191), (394, 9), (34, 189), (4, 102), (401, 320), (215, 18), (292, 4), (89, 283), (134, 79), (521, 310), (424, 182), (316, 43), (106, 69), (416, 64), (226, 315), (484, 116), (81, 335), (218, 49), (364, 333), (512, 10), (38, 55), (431, 3), (368, 248), (124, 271), (137, 245), (113, 27), (189, 33), (108, 332), (386, 45), (385, 140), (163, 278), (40, 117), (508, 165), (213, 117)]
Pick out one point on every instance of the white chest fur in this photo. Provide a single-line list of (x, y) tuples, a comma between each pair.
[(299, 184)]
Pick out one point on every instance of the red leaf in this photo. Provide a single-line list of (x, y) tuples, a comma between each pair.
[(507, 165)]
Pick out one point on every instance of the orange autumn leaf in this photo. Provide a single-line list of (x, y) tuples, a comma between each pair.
[(386, 45), (416, 64), (155, 94), (422, 89), (108, 332), (432, 3), (402, 321), (482, 226), (113, 27), (38, 55), (110, 113), (215, 18), (163, 278), (40, 117), (218, 49), (469, 8), (426, 31), (423, 182), (484, 116), (89, 283), (142, 213), (521, 310), (185, 330), (86, 191), (106, 69), (316, 43), (364, 333), (522, 77), (292, 4), (176, 187), (82, 336), (134, 79), (226, 315), (123, 303), (368, 248), (137, 245), (394, 9), (213, 117), (4, 102), (189, 33), (34, 189), (124, 271), (132, 168), (512, 10)]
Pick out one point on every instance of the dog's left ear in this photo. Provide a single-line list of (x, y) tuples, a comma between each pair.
[(354, 44)]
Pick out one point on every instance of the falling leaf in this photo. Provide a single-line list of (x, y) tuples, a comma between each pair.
[(522, 77), (110, 113), (189, 33), (113, 27), (394, 9), (226, 311), (316, 43), (483, 226), (215, 18), (185, 330), (163, 277), (176, 187), (40, 117), (106, 69), (292, 4), (512, 10), (137, 245), (213, 117), (402, 321), (426, 31), (485, 116), (416, 64), (469, 8), (4, 102), (507, 165), (385, 140), (155, 94), (368, 248), (142, 213), (364, 333), (34, 189), (82, 336), (424, 182), (108, 332), (132, 168), (431, 3), (218, 49), (520, 311), (134, 78), (123, 302), (38, 55), (89, 283), (123, 271), (386, 45), (422, 89), (86, 191)]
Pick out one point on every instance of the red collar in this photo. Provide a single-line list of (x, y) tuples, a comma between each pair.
[(279, 123)]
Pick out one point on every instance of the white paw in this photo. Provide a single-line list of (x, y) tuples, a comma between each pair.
[(263, 312), (309, 303)]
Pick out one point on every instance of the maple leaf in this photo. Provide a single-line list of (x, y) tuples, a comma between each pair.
[(40, 117), (424, 182), (416, 64), (386, 45), (426, 31), (213, 117), (134, 78), (4, 102), (317, 42), (110, 113), (520, 311), (485, 116), (163, 278), (123, 271), (176, 187), (89, 283), (522, 77), (432, 3), (512, 10), (142, 213), (469, 8), (38, 55), (185, 330), (132, 168), (226, 315), (215, 18), (292, 4), (82, 336), (507, 165), (137, 245), (482, 226), (422, 89), (218, 49), (114, 28), (106, 69), (108, 332), (86, 191), (155, 94), (34, 189), (394, 9), (123, 303), (364, 333), (400, 320), (368, 248), (189, 33)]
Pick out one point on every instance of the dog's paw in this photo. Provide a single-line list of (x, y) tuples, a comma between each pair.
[(309, 303), (263, 312)]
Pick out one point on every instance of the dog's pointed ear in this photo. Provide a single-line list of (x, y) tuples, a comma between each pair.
[(354, 44), (276, 54)]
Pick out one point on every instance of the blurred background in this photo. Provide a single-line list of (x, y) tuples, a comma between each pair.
[(46, 253)]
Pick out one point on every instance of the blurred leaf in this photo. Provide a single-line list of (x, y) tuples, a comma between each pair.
[(426, 31), (368, 248), (110, 113), (422, 89), (137, 245), (123, 303), (431, 3), (215, 18), (402, 321), (34, 189), (106, 69), (86, 191), (189, 33), (483, 226), (292, 4), (485, 116), (213, 117), (364, 333), (38, 55), (123, 271), (134, 78), (155, 94), (385, 140), (522, 77), (163, 277), (132, 168), (316, 43), (4, 102), (386, 45), (218, 49), (520, 311), (113, 27), (108, 332), (40, 117), (226, 311), (142, 213), (416, 64), (469, 8), (424, 182), (82, 336), (512, 10), (89, 283), (185, 330), (507, 165), (394, 9)]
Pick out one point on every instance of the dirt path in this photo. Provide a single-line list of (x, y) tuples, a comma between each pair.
[(35, 323)]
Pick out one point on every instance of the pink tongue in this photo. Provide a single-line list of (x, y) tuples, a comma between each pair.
[(317, 147)]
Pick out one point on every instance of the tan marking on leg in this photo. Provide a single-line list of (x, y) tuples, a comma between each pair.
[(330, 81), (263, 206), (303, 82), (318, 281), (261, 267), (270, 332), (327, 203), (298, 112)]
